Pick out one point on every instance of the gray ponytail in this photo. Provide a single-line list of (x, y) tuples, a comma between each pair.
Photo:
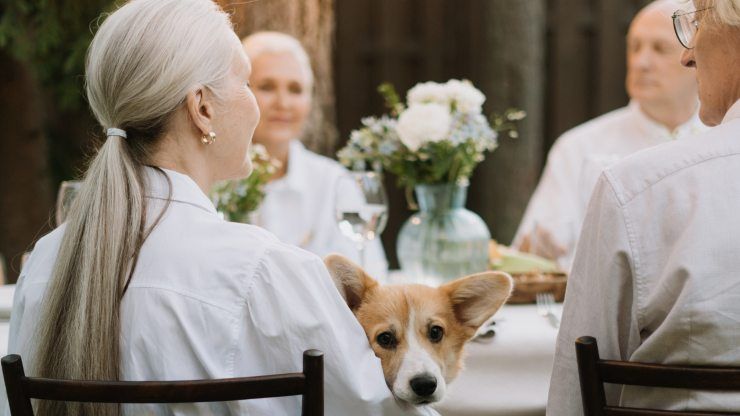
[(142, 63)]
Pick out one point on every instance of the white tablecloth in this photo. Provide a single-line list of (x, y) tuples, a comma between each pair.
[(510, 375)]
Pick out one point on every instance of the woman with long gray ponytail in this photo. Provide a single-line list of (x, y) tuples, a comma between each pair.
[(145, 281)]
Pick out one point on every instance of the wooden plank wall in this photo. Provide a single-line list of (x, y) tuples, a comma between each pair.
[(407, 41)]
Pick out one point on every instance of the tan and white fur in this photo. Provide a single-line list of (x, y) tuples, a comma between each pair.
[(417, 331)]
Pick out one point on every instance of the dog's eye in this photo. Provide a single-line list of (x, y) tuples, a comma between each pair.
[(386, 340), (436, 333)]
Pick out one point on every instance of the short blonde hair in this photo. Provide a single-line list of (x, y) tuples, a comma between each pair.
[(260, 43)]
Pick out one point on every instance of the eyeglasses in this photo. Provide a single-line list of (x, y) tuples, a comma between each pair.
[(685, 24)]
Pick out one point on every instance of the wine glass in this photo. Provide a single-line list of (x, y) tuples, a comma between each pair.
[(67, 192), (361, 208)]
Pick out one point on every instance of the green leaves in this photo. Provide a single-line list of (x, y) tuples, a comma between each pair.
[(239, 198), (52, 37)]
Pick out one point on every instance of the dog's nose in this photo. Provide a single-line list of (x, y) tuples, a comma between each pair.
[(424, 385)]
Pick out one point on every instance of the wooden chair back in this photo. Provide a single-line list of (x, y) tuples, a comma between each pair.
[(594, 372), (309, 384)]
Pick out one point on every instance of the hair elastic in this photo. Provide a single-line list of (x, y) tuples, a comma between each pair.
[(113, 131)]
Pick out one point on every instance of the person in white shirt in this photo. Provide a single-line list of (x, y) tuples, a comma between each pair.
[(655, 274), (662, 109), (299, 205), (144, 281)]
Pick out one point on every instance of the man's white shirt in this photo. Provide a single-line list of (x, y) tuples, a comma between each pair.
[(575, 161), (655, 274)]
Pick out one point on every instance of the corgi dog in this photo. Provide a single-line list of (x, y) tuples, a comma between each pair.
[(417, 331)]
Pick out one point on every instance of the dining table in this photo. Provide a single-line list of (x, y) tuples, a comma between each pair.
[(506, 374), (509, 373)]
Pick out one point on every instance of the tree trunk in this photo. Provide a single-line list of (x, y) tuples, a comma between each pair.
[(25, 192), (511, 68), (312, 22)]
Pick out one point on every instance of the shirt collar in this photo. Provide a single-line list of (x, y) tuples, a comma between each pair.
[(184, 189), (690, 128), (295, 175), (732, 113)]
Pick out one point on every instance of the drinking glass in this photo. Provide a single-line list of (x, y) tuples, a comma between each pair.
[(66, 195), (361, 208)]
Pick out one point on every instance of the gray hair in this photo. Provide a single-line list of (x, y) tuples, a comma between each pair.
[(728, 12), (260, 43), (143, 61)]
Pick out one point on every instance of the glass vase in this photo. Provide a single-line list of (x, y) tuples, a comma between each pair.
[(442, 241)]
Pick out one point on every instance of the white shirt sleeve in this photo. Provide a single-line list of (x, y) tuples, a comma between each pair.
[(292, 305), (598, 300), (554, 206), (13, 332)]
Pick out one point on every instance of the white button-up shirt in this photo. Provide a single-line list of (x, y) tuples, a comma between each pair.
[(299, 209), (574, 163), (215, 299), (655, 274)]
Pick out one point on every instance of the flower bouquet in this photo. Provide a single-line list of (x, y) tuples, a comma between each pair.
[(237, 199), (432, 144)]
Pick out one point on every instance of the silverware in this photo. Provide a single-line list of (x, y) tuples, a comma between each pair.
[(546, 306), (486, 334)]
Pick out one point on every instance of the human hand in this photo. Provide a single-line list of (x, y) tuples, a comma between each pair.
[(542, 243)]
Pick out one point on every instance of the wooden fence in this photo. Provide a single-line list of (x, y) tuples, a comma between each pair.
[(560, 60)]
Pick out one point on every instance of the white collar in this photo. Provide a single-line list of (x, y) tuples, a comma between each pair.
[(689, 128), (183, 189), (732, 113), (295, 175)]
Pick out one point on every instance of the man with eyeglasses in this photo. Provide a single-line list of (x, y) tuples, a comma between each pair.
[(663, 108), (655, 276)]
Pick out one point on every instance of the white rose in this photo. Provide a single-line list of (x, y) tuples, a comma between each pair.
[(466, 97), (422, 123), (426, 92)]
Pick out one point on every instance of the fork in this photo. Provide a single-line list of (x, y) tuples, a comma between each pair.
[(545, 306)]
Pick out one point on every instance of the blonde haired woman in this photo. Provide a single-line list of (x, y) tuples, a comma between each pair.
[(144, 281), (299, 202), (655, 273)]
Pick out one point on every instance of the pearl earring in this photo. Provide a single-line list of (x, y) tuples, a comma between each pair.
[(210, 138)]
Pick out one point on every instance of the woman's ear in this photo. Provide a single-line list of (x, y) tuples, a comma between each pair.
[(199, 104)]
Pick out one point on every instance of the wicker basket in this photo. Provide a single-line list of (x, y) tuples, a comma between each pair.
[(528, 285)]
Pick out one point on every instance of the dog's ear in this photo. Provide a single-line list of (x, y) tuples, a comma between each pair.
[(351, 281), (477, 297)]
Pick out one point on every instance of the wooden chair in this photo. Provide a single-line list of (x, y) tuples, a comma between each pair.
[(309, 384), (594, 372)]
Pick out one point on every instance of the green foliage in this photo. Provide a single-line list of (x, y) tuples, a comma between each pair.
[(238, 199), (52, 37)]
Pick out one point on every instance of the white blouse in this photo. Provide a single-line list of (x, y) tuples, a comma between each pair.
[(215, 299), (574, 163), (299, 209), (655, 278)]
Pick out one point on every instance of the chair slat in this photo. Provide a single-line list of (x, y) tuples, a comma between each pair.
[(627, 411), (166, 391), (682, 377), (309, 384), (594, 372)]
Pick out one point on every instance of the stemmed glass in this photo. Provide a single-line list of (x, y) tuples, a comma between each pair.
[(67, 192), (361, 208)]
